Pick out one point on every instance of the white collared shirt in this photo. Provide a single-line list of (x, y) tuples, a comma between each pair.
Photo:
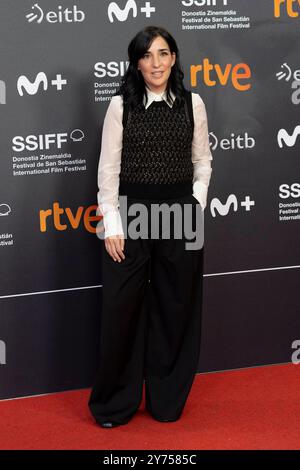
[(157, 97), (110, 158)]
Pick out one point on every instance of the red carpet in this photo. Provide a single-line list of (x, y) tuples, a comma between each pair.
[(256, 408)]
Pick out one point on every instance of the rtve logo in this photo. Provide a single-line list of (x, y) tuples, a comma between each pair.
[(235, 74), (63, 219), (288, 6)]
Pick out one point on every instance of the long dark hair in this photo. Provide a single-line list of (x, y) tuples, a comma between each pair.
[(132, 86)]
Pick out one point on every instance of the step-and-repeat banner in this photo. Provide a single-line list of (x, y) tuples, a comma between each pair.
[(60, 63)]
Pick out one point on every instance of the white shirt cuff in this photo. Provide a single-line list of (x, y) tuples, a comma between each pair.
[(200, 193), (112, 224)]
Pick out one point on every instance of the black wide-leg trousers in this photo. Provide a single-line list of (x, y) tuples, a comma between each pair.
[(150, 331)]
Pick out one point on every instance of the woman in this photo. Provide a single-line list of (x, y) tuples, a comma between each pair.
[(155, 149)]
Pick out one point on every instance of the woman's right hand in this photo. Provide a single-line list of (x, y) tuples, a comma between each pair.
[(115, 246)]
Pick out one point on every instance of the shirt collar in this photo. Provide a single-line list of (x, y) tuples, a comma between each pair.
[(157, 97)]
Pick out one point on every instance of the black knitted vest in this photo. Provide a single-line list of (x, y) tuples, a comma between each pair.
[(156, 159)]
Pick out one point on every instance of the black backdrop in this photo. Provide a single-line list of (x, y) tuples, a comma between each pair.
[(60, 64)]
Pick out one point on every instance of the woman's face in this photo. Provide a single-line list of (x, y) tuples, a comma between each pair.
[(156, 65)]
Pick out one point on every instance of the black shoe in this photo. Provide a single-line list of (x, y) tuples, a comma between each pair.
[(164, 420), (167, 420), (161, 419), (109, 424)]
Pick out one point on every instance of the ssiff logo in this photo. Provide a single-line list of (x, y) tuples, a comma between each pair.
[(45, 141), (203, 3)]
